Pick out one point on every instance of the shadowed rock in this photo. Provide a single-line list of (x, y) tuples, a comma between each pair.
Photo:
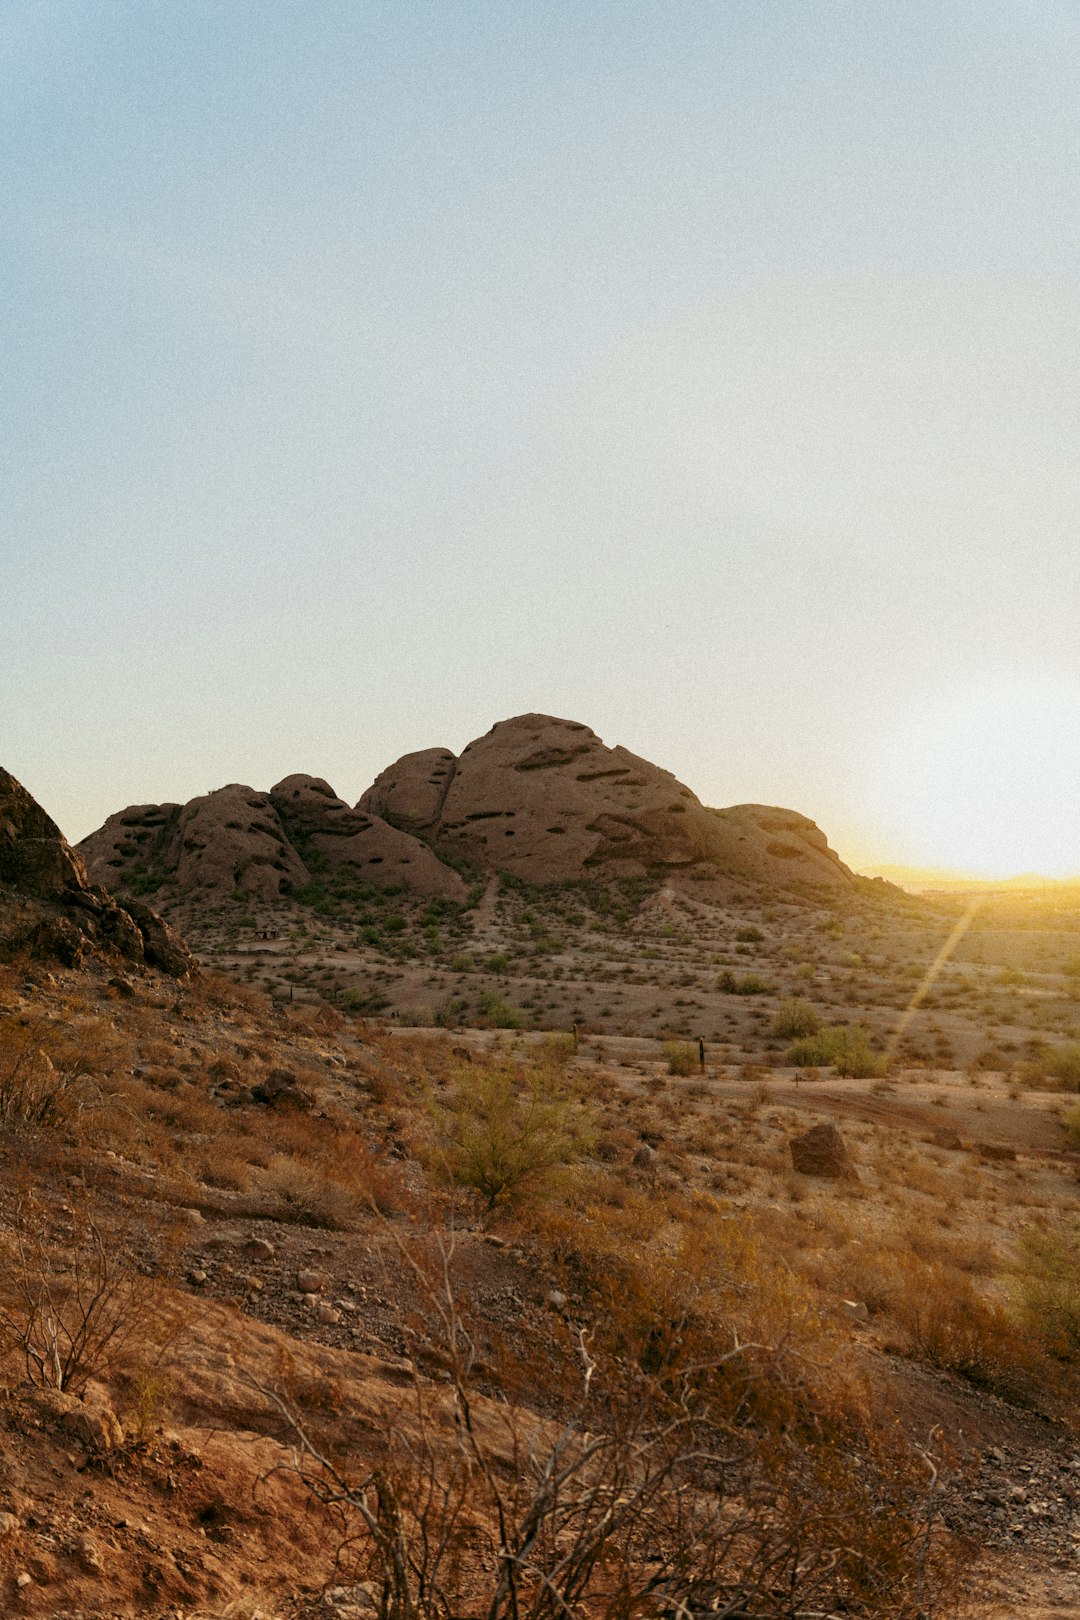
[(820, 1151), (35, 857), (69, 916)]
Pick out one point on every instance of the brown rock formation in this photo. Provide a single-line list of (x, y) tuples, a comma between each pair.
[(68, 915), (379, 853), (544, 799), (411, 793), (231, 839), (35, 857), (541, 798)]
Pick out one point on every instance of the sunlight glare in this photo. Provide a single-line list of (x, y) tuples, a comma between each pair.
[(988, 782)]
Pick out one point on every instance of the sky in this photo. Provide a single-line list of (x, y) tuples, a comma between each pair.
[(705, 371)]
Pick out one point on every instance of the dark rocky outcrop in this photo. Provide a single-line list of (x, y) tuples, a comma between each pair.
[(52, 909), (35, 857)]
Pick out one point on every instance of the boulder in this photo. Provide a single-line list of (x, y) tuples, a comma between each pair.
[(820, 1151), (162, 946), (410, 794), (92, 1421)]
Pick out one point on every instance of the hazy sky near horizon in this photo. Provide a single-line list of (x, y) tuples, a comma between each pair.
[(705, 371)]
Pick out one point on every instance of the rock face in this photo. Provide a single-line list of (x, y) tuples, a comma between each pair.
[(540, 798), (821, 1152), (545, 800), (260, 845), (315, 818), (35, 857), (231, 839), (68, 915), (411, 793)]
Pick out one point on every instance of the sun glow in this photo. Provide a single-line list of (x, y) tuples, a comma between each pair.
[(988, 782)]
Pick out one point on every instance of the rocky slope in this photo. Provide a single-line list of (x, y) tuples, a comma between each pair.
[(540, 798), (49, 907)]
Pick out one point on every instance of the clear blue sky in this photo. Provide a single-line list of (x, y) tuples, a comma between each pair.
[(707, 372)]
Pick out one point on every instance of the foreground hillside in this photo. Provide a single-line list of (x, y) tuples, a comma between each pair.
[(302, 1311)]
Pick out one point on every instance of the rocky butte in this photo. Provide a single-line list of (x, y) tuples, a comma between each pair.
[(540, 798)]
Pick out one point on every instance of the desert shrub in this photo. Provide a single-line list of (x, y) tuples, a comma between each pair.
[(1071, 1121), (499, 1013), (681, 1056), (508, 1126), (1063, 1064), (1049, 1288), (71, 1301), (845, 1047), (449, 1013), (559, 1047), (751, 984), (749, 935), (795, 1017), (654, 1484), (46, 1070), (365, 1002)]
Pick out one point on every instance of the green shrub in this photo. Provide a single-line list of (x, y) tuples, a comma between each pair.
[(460, 964), (1063, 1063), (795, 1017), (1049, 1287), (449, 1013), (499, 1013), (751, 984), (682, 1057), (845, 1047), (507, 1126), (366, 1002), (750, 935)]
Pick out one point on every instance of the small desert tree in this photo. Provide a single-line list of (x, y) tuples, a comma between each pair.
[(508, 1125)]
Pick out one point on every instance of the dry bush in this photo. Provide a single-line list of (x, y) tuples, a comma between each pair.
[(681, 1057), (70, 1308), (47, 1070), (221, 994), (652, 1493), (327, 1175), (938, 1315)]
